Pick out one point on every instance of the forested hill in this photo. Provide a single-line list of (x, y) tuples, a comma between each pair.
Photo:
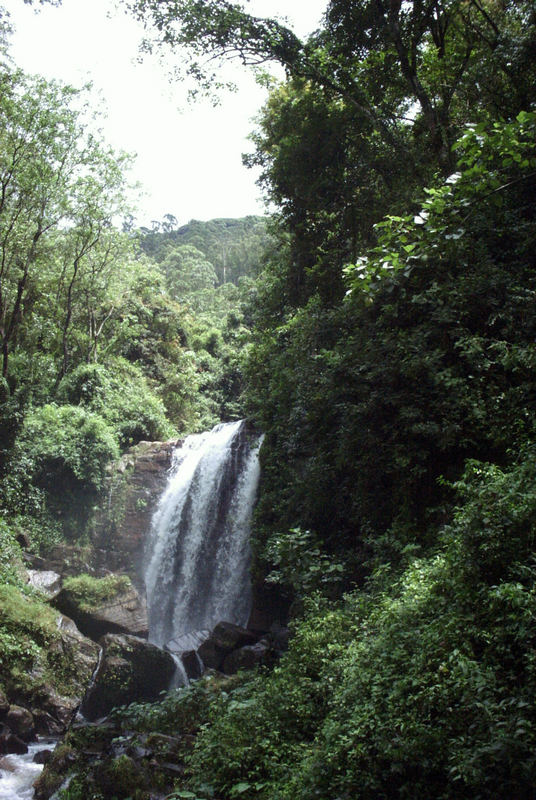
[(234, 247)]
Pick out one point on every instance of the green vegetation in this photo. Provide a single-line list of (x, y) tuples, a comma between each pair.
[(89, 592), (392, 370), (386, 348), (230, 248), (35, 660), (101, 345)]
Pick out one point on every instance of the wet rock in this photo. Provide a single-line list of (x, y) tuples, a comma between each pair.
[(130, 669), (21, 723), (9, 743), (225, 638), (124, 613), (8, 764), (192, 665), (187, 642), (54, 774), (60, 707), (135, 484), (42, 757), (47, 725)]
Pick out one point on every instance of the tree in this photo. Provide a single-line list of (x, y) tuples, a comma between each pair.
[(385, 59), (187, 271), (54, 175)]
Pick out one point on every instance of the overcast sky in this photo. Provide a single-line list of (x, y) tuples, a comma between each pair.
[(188, 158)]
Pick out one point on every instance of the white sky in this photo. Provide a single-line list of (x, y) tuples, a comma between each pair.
[(188, 157)]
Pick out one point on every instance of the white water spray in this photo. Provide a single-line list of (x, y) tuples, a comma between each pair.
[(198, 554)]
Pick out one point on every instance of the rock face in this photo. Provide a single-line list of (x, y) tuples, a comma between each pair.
[(124, 613), (55, 710), (130, 670), (63, 559), (135, 485)]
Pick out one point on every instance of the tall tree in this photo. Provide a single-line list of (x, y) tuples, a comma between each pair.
[(396, 63), (54, 175)]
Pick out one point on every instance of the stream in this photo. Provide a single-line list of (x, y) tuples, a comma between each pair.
[(18, 773)]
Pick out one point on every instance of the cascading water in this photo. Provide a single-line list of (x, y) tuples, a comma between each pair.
[(198, 553)]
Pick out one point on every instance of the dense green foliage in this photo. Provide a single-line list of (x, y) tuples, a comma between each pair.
[(392, 370), (234, 248), (101, 345)]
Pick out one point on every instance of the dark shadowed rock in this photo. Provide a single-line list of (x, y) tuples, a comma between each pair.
[(47, 725), (42, 757), (9, 743), (192, 665), (248, 657), (21, 723), (124, 613), (4, 705), (225, 638), (130, 669)]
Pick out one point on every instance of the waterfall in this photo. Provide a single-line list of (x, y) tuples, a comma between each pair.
[(198, 554)]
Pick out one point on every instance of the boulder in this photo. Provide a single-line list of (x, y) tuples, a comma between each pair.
[(130, 669), (42, 757), (47, 582), (8, 764), (192, 665), (54, 704), (185, 647), (124, 613), (47, 725), (225, 638), (21, 723), (248, 657)]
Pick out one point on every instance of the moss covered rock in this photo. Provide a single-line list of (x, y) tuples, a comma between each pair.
[(103, 605), (130, 670)]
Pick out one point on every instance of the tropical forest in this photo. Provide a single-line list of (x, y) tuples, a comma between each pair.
[(268, 484)]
